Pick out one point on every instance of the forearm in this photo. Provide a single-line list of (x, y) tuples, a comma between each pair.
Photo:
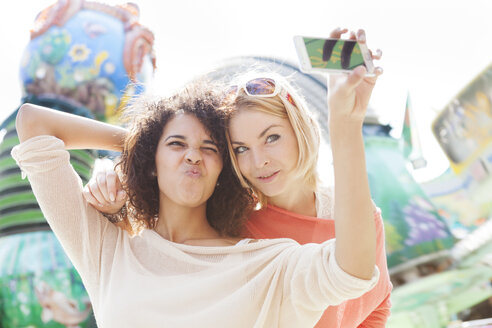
[(354, 210), (76, 132)]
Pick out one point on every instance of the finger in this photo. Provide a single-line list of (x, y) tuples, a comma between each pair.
[(90, 198), (361, 36), (371, 79), (355, 77), (121, 195), (337, 33), (352, 36), (375, 73), (102, 185), (111, 185), (96, 192), (378, 71), (377, 55)]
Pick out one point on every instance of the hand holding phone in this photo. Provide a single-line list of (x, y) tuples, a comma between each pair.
[(331, 55), (349, 93)]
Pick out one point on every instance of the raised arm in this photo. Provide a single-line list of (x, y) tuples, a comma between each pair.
[(76, 132), (87, 239), (354, 211)]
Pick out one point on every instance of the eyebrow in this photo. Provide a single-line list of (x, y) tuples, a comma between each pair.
[(178, 136), (265, 131), (260, 135), (175, 136), (210, 142)]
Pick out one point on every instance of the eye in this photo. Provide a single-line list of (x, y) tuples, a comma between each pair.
[(272, 138), (176, 143), (212, 149), (240, 149)]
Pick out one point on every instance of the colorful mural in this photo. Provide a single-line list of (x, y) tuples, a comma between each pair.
[(433, 301), (464, 127), (38, 285), (90, 53), (85, 58), (462, 198), (464, 131), (415, 232)]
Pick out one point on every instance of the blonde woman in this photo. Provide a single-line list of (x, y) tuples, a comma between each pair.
[(276, 157)]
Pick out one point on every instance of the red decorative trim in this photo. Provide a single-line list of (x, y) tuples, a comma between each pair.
[(56, 14), (138, 43)]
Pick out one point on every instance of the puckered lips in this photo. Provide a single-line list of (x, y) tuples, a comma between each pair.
[(193, 172)]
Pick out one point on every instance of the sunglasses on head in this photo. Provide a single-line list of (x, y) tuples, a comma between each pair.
[(260, 87)]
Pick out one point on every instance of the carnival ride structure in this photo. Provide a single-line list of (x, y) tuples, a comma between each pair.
[(84, 58)]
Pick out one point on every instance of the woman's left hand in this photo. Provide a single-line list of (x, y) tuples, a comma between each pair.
[(349, 94)]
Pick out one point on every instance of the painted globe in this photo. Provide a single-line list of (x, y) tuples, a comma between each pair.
[(90, 54)]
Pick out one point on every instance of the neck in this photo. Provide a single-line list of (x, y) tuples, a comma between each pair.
[(180, 224), (297, 200)]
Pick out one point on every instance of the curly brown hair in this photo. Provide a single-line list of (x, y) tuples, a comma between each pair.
[(230, 204)]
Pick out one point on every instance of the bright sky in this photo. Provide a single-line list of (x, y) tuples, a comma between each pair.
[(431, 49)]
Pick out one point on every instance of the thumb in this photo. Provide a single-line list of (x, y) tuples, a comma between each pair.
[(355, 78)]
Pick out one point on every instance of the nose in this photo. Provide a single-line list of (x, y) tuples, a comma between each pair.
[(260, 160), (193, 157)]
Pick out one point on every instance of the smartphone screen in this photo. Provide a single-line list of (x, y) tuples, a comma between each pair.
[(336, 54)]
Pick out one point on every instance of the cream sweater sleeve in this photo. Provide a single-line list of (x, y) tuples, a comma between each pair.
[(313, 280), (81, 230)]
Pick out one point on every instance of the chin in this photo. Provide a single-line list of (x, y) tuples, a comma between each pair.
[(194, 199), (271, 192), (192, 202)]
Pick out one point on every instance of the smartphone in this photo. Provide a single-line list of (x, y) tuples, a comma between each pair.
[(332, 55)]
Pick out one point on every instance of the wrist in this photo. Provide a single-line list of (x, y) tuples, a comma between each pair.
[(344, 124), (118, 216), (345, 134)]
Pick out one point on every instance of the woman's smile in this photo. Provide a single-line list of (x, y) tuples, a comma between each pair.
[(265, 178)]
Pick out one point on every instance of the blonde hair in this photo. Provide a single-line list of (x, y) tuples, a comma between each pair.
[(305, 128)]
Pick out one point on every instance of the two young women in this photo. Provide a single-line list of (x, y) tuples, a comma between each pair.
[(188, 269), (274, 145)]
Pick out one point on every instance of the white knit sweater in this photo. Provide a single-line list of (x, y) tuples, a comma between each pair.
[(148, 281)]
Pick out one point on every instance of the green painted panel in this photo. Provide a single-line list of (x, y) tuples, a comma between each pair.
[(413, 227)]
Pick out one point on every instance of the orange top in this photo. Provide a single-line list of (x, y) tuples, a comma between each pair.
[(371, 309)]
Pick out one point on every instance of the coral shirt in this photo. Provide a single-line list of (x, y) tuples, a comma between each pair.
[(371, 309)]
